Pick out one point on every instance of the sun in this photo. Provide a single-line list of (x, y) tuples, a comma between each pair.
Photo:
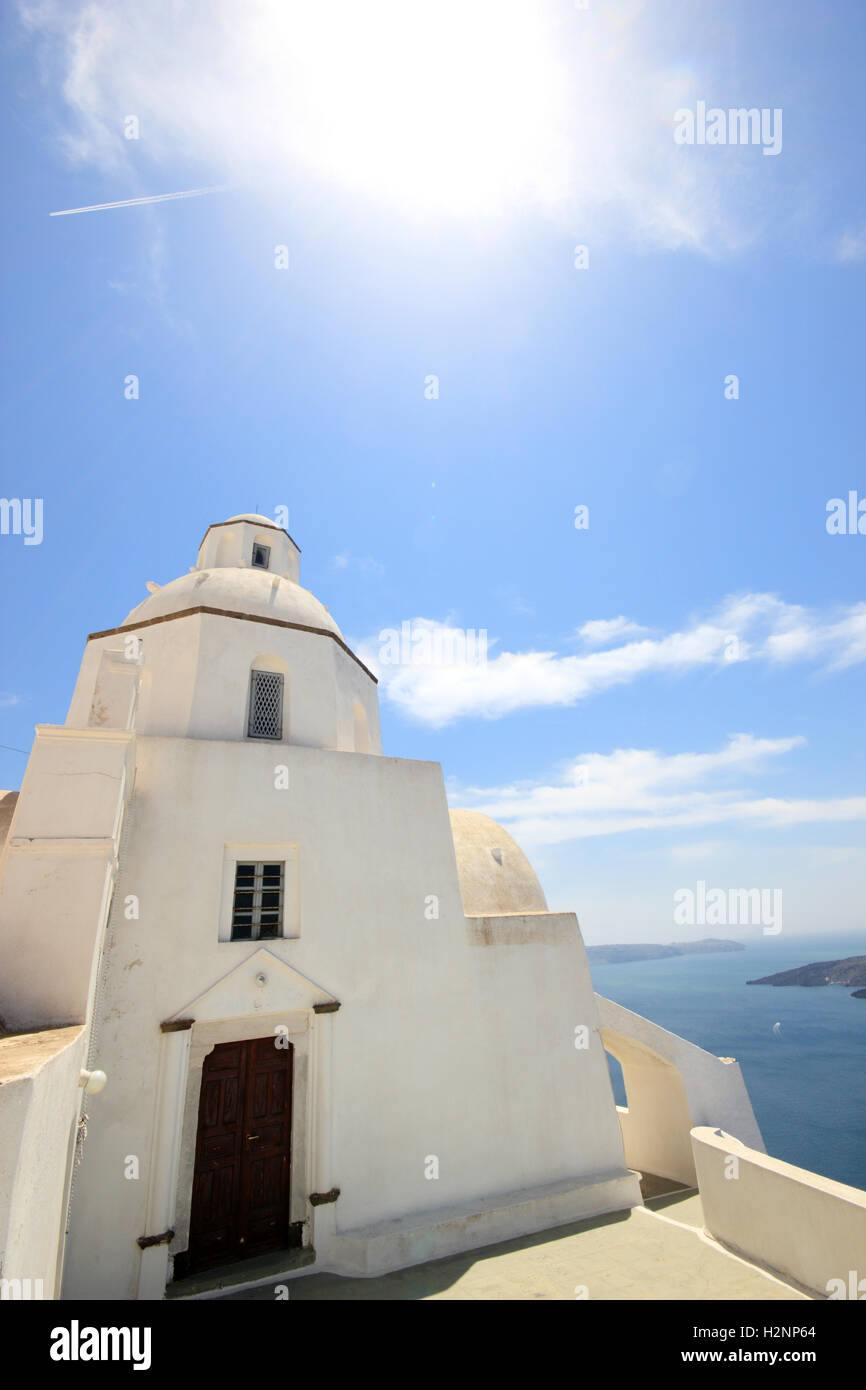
[(455, 106)]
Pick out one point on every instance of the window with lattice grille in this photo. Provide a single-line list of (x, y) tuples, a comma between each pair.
[(257, 907), (266, 705)]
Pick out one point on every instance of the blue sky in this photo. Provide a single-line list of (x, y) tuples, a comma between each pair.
[(431, 175)]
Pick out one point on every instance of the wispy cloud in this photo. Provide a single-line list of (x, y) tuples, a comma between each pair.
[(470, 109), (851, 245), (641, 789), (361, 564), (514, 600), (602, 631), (699, 850), (751, 627)]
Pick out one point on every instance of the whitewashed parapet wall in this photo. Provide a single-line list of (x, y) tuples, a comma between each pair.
[(672, 1085), (57, 875), (39, 1092), (798, 1224)]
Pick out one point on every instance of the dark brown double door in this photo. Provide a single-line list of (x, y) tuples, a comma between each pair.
[(240, 1192)]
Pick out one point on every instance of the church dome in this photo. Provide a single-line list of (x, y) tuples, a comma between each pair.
[(496, 878), (254, 517), (253, 591), (246, 565)]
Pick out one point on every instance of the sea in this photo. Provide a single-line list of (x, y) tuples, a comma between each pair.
[(802, 1051)]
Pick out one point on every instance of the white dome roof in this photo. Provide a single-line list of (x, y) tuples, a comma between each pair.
[(496, 878), (254, 517), (255, 591)]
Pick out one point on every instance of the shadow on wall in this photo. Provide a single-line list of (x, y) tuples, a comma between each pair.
[(653, 1113)]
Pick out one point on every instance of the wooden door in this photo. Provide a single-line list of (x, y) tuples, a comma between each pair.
[(240, 1192)]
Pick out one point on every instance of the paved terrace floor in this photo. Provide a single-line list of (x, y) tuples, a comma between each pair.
[(654, 1252)]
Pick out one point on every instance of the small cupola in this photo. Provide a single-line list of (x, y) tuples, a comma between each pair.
[(249, 541)]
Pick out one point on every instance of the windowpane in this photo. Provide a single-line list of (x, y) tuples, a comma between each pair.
[(257, 907)]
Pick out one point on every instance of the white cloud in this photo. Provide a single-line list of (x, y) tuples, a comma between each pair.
[(744, 628), (515, 601), (642, 789), (459, 109), (362, 564), (602, 631), (851, 245), (836, 854), (700, 850)]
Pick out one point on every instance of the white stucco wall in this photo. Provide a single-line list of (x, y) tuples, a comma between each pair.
[(799, 1224), (58, 873), (448, 1044), (196, 673), (39, 1098)]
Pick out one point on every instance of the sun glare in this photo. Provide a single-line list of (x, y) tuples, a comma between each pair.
[(455, 106)]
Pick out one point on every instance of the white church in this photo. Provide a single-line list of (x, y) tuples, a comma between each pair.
[(264, 999)]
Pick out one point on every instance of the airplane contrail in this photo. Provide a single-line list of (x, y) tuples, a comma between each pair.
[(134, 202)]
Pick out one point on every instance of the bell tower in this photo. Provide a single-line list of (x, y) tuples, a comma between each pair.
[(250, 542)]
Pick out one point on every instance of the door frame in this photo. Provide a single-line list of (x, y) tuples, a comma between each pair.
[(268, 1056), (205, 1037)]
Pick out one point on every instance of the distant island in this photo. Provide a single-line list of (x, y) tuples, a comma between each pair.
[(619, 955), (850, 971)]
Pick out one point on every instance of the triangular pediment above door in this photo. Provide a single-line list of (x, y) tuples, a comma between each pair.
[(260, 984)]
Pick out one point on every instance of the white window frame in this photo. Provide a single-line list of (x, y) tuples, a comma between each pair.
[(239, 852), (256, 909)]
